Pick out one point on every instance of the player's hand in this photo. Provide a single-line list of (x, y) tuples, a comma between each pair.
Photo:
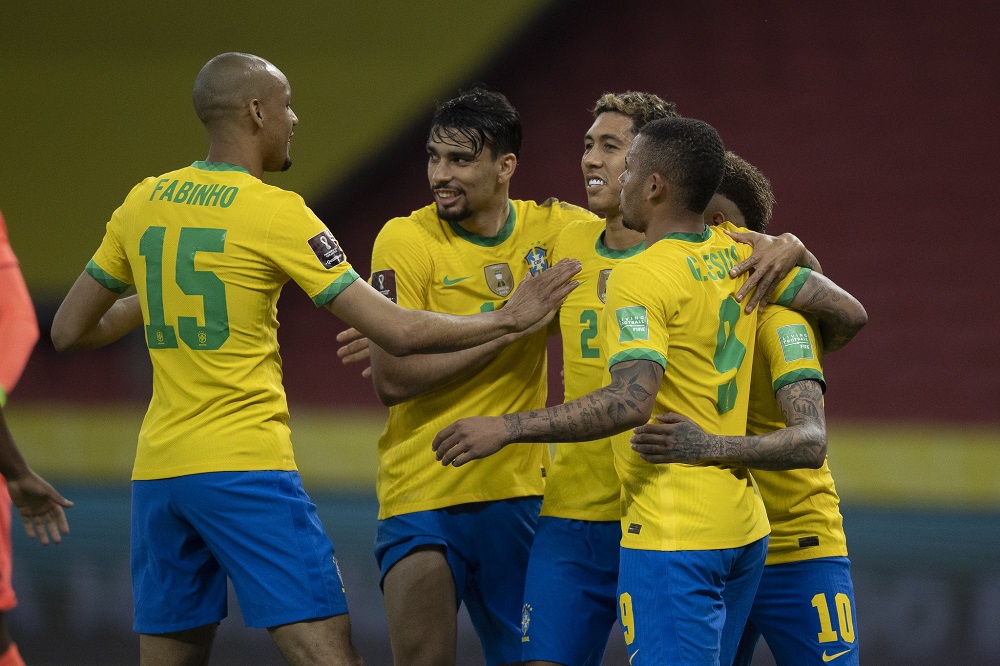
[(470, 439), (354, 349), (41, 507), (538, 296), (675, 439), (772, 259)]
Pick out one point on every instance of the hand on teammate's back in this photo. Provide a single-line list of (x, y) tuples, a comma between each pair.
[(773, 257)]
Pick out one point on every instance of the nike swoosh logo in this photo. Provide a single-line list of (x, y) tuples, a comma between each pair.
[(448, 282), (632, 656), (831, 657)]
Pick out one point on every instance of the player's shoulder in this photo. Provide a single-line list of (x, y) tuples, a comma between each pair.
[(420, 226), (581, 232), (551, 210)]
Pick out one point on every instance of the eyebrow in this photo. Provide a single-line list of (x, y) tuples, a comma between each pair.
[(606, 136), (453, 154)]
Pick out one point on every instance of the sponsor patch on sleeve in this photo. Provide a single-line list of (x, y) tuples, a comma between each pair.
[(795, 344), (385, 282), (327, 249), (632, 323)]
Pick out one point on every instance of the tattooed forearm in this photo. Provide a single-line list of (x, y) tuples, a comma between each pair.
[(840, 315), (802, 443), (626, 402)]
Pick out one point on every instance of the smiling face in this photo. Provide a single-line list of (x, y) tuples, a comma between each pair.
[(604, 148), (463, 182)]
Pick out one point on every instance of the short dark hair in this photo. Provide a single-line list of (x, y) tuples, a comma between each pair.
[(744, 185), (687, 153), (483, 117), (641, 107)]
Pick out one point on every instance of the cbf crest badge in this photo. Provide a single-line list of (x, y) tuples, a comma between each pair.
[(525, 622), (602, 284), (500, 279), (537, 260)]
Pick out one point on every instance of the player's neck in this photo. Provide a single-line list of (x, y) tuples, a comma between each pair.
[(617, 237), (488, 222), (674, 223), (237, 153)]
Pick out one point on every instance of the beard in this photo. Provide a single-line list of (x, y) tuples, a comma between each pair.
[(287, 164), (631, 224)]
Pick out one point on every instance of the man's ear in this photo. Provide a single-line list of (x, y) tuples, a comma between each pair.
[(508, 163), (656, 187), (716, 217), (256, 115)]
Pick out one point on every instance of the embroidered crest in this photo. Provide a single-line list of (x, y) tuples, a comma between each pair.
[(500, 279), (537, 260)]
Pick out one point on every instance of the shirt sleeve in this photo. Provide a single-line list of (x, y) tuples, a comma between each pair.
[(302, 246), (110, 265), (787, 340), (402, 267), (634, 321)]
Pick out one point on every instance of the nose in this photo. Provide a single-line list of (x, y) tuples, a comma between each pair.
[(590, 158), (440, 173)]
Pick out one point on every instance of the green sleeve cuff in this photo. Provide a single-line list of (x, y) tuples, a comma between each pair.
[(105, 279), (3, 397), (638, 355), (338, 285), (797, 376), (792, 290)]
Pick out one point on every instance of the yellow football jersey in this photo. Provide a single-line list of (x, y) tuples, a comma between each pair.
[(208, 248), (582, 482), (802, 504), (674, 304), (424, 262)]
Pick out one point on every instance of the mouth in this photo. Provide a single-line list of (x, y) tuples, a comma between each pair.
[(446, 196), (595, 182)]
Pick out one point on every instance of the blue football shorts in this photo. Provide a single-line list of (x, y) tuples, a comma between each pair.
[(689, 606), (486, 545), (258, 528), (805, 611), (570, 597)]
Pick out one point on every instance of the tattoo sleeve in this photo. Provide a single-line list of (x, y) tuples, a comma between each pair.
[(802, 443), (624, 403), (840, 315)]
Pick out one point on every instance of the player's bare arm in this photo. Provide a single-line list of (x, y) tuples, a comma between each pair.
[(626, 402), (38, 503), (92, 316), (772, 259), (802, 443), (400, 331), (840, 316)]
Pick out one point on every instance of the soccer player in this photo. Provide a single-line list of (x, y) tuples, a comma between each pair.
[(215, 489), (448, 538), (40, 506), (804, 605), (673, 335), (570, 595)]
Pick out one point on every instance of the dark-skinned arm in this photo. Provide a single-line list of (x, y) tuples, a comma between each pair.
[(839, 315)]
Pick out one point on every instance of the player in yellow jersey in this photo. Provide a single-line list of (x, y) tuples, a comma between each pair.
[(674, 335), (215, 490), (445, 539), (570, 593), (804, 605)]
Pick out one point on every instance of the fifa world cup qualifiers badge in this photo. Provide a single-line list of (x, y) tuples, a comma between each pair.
[(327, 249), (385, 282)]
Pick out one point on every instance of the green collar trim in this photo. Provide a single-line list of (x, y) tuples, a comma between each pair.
[(488, 241), (606, 252), (218, 166), (689, 236)]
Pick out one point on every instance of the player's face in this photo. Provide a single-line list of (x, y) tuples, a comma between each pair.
[(604, 148), (463, 182), (281, 120), (632, 202), (722, 208)]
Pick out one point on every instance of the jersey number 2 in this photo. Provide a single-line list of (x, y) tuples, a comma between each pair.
[(159, 334)]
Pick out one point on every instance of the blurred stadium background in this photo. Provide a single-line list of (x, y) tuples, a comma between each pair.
[(875, 121)]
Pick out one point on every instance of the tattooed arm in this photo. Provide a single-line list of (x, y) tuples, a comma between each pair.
[(802, 443), (624, 403), (840, 316)]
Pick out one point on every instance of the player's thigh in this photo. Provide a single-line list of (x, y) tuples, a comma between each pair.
[(570, 595), (320, 641), (739, 592), (806, 612), (265, 532)]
